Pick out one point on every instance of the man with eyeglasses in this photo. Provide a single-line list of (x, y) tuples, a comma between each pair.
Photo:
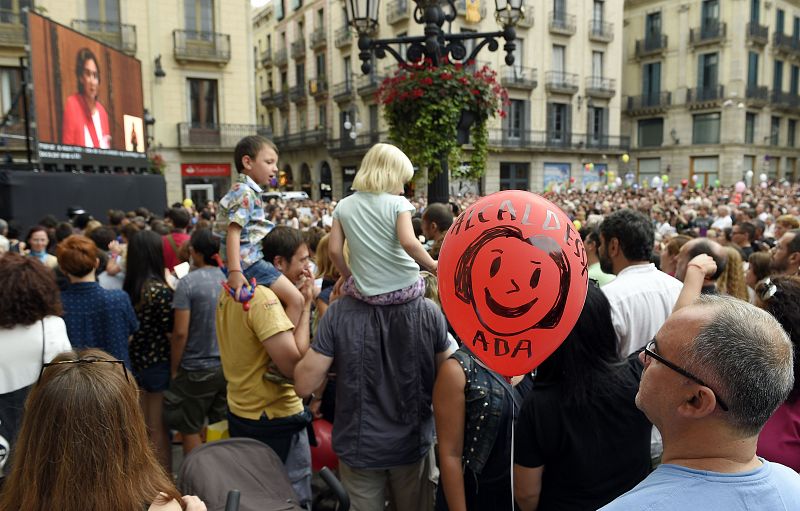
[(713, 375), (785, 255), (742, 236)]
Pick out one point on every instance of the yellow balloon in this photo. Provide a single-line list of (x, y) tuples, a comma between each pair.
[(625, 158), (577, 224)]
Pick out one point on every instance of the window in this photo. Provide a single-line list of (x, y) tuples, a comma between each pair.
[(348, 71), (279, 9), (322, 117), (710, 16), (794, 78), (302, 115), (96, 10), (300, 74), (796, 28), (320, 58), (597, 12), (320, 18), (651, 132), (791, 133), (559, 9), (652, 27), (707, 77), (558, 58), (199, 16), (514, 176), (749, 128), (514, 122), (597, 63), (558, 123), (774, 130), (752, 70), (203, 102), (374, 119), (705, 128), (296, 4), (755, 14), (284, 80), (780, 18), (777, 76), (597, 126)]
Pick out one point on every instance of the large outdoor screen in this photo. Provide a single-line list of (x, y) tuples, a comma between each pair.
[(87, 99)]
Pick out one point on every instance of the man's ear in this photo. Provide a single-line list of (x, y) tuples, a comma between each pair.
[(612, 247), (794, 260), (701, 403)]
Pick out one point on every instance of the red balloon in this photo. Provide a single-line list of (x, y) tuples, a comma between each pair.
[(684, 182), (322, 454), (512, 279)]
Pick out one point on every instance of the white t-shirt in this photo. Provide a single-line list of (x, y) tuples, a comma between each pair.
[(377, 260), (22, 351)]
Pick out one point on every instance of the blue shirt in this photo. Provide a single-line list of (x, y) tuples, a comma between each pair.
[(99, 318), (771, 486)]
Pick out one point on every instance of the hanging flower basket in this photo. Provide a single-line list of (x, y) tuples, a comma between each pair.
[(423, 106), (157, 164)]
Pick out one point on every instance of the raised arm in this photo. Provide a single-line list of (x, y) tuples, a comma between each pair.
[(700, 267)]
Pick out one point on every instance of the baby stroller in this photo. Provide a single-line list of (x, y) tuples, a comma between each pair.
[(242, 474)]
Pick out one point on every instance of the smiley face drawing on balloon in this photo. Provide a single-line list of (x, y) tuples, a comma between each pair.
[(515, 293)]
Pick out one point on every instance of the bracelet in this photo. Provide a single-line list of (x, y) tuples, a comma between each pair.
[(235, 271)]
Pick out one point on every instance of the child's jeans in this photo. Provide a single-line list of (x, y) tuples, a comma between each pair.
[(396, 297), (263, 271)]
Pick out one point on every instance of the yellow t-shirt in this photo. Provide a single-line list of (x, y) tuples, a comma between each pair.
[(244, 359)]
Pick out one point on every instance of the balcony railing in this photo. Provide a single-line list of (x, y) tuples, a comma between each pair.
[(281, 98), (600, 87), (757, 95), (214, 137), (709, 33), (319, 38), (649, 103), (702, 95), (367, 85), (281, 57), (191, 45), (344, 91), (303, 139), (343, 37), (527, 139), (783, 43), (461, 8), (527, 21), (758, 34), (318, 87), (562, 23), (601, 31), (561, 82), (784, 100), (12, 31), (121, 36), (297, 94), (651, 45), (517, 77), (268, 98), (360, 144), (299, 48), (266, 58), (397, 11)]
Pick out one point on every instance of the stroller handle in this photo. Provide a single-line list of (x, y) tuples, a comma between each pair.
[(336, 487), (232, 504)]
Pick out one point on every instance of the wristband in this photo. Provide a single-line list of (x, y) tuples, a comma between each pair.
[(235, 271)]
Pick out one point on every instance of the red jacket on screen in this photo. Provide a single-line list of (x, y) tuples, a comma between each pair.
[(77, 118)]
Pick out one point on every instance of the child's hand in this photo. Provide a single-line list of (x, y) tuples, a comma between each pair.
[(337, 290), (236, 281), (435, 267)]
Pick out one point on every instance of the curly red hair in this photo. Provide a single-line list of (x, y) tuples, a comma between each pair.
[(29, 291)]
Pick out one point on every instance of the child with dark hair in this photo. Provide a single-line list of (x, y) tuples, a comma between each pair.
[(242, 224)]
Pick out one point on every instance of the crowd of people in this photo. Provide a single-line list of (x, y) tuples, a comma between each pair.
[(128, 333)]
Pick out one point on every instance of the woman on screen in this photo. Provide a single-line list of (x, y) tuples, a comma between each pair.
[(85, 120)]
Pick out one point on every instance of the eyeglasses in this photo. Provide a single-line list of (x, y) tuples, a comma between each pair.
[(90, 360), (766, 289), (648, 352)]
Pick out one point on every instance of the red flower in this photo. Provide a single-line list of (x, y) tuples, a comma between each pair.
[(445, 76), (418, 93), (427, 81)]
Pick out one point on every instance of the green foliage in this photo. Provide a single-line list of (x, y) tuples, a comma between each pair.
[(423, 105)]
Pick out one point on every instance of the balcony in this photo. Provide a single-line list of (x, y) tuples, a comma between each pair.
[(601, 31), (757, 34), (367, 85), (266, 58), (647, 104), (268, 99), (318, 87), (121, 36), (461, 8), (538, 140), (709, 33), (785, 44), (214, 137), (344, 91), (343, 37), (347, 146), (281, 57), (522, 78), (297, 94), (527, 21), (304, 139), (12, 31), (785, 101), (319, 38), (757, 95), (599, 87), (397, 11), (559, 82), (281, 98), (299, 48), (704, 97), (562, 23), (650, 46), (194, 46)]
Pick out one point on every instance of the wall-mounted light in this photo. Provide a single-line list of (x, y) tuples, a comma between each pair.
[(159, 69)]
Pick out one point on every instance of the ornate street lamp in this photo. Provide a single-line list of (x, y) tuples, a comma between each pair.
[(435, 44)]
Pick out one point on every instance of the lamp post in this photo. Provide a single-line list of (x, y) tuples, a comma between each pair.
[(435, 45)]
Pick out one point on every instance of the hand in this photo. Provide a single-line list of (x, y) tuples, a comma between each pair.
[(193, 503), (435, 267), (704, 263), (114, 248), (337, 290), (306, 286), (236, 281), (314, 406)]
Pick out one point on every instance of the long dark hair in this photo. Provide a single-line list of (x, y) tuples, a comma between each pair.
[(145, 262), (587, 362)]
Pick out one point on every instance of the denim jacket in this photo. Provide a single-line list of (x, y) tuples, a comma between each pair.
[(484, 397)]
